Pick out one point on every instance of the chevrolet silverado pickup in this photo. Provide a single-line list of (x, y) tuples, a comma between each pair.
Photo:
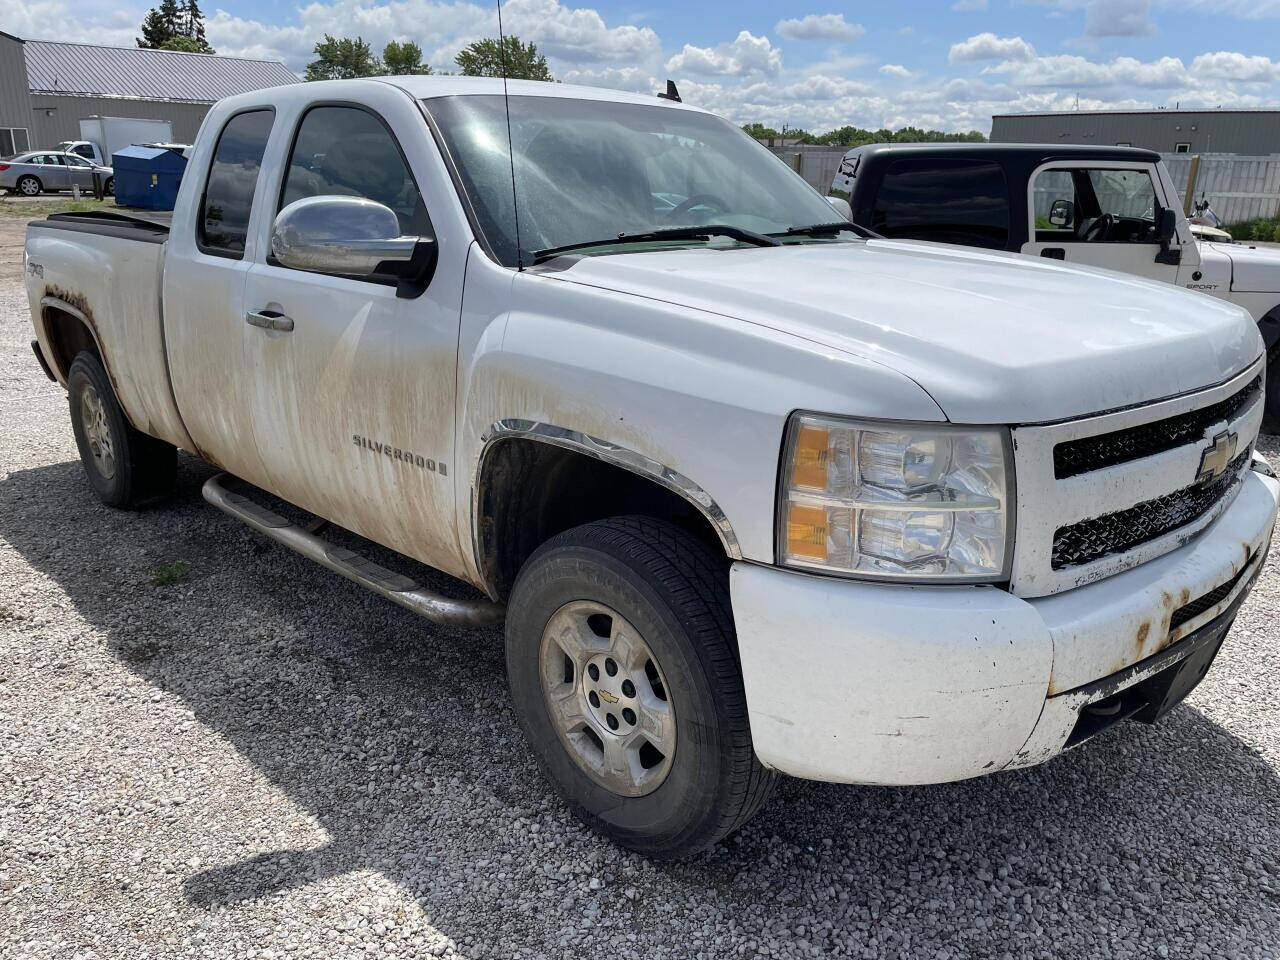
[(754, 493), (1111, 207)]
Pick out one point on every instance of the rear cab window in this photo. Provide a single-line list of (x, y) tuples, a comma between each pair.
[(227, 202), (948, 200)]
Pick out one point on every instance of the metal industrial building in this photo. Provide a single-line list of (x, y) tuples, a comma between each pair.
[(46, 87), (1245, 132)]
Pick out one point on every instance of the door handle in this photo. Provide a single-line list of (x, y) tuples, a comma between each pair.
[(269, 320), (1054, 253)]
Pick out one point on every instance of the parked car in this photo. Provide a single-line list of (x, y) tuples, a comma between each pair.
[(1112, 207), (753, 494), (47, 171)]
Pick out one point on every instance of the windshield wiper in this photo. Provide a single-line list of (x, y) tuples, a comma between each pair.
[(704, 232), (828, 229)]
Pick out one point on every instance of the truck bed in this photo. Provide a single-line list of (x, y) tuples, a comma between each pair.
[(151, 226)]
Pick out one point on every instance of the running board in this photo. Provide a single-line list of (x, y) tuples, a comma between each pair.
[(395, 587)]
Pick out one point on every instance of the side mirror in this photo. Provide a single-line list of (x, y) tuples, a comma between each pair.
[(841, 206), (1061, 213), (1166, 230), (345, 235)]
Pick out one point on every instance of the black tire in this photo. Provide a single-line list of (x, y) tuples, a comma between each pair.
[(28, 186), (1271, 411), (109, 188), (141, 467), (675, 591)]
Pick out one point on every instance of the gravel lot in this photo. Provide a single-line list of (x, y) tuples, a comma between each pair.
[(261, 760)]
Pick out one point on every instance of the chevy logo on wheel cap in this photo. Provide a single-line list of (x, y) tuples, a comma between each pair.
[(1214, 459)]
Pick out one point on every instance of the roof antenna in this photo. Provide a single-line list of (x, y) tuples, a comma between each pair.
[(671, 93), (511, 152)]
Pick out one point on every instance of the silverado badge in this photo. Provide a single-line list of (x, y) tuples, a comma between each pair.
[(1214, 459)]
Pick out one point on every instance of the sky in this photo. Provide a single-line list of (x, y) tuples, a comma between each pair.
[(942, 64)]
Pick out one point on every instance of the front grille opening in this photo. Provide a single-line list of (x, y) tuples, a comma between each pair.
[(1090, 540), (1206, 601), (1074, 457)]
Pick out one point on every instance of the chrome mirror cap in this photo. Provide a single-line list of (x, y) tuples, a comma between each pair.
[(333, 234), (841, 206)]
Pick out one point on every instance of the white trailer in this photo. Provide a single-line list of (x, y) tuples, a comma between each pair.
[(100, 137)]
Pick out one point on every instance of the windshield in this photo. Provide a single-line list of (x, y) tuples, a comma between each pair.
[(589, 170)]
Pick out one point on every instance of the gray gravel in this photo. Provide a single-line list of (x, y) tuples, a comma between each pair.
[(261, 760)]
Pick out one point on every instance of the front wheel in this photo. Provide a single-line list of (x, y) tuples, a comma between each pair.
[(124, 466), (624, 675), (109, 188), (29, 186)]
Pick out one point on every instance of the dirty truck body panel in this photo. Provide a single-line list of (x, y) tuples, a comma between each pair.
[(740, 377)]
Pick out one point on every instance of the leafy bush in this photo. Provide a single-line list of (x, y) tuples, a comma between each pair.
[(1265, 230)]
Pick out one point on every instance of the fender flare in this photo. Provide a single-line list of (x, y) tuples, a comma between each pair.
[(609, 452), (1269, 327), (48, 303)]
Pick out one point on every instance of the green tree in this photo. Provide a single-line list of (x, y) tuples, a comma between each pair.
[(404, 58), (160, 25), (507, 57), (174, 26), (760, 131), (342, 58)]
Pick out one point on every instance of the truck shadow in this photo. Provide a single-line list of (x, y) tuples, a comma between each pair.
[(395, 736)]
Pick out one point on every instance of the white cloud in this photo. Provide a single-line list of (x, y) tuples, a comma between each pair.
[(1074, 72), (747, 54), (1118, 18), (1235, 66), (824, 26), (987, 46), (895, 70), (969, 6)]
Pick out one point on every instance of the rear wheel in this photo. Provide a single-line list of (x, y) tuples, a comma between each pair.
[(624, 675), (29, 186), (110, 186), (123, 466)]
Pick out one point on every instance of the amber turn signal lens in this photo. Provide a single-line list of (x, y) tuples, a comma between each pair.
[(809, 459), (807, 532)]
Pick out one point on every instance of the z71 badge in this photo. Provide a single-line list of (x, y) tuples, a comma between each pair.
[(403, 456)]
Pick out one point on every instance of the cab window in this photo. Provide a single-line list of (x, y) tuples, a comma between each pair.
[(1094, 205), (349, 152), (233, 178), (949, 200)]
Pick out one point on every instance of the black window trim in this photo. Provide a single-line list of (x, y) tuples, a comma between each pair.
[(204, 187), (386, 280)]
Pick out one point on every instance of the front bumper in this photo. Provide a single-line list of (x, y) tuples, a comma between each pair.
[(858, 682)]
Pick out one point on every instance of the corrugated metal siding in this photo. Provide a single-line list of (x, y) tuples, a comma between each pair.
[(15, 103), (1250, 133), (68, 111), (126, 72), (1237, 188)]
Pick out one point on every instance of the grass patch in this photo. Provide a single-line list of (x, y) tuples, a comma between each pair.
[(11, 208), (168, 574)]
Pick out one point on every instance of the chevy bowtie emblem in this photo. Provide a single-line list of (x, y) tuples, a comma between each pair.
[(1214, 460), (607, 697)]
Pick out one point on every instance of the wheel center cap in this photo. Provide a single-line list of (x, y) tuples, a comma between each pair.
[(610, 695)]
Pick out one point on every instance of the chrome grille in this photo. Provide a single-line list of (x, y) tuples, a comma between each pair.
[(1102, 536), (1093, 453)]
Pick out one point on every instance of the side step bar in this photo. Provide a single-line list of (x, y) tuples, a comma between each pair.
[(395, 587)]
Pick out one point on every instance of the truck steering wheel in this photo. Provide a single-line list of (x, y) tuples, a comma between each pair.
[(1100, 230)]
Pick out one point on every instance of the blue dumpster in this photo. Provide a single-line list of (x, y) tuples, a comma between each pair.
[(147, 177)]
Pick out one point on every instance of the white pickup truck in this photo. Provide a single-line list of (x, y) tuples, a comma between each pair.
[(753, 493)]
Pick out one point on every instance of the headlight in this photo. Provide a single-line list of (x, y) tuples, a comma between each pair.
[(895, 501)]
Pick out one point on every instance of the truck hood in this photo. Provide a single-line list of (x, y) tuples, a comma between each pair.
[(992, 337), (1253, 269)]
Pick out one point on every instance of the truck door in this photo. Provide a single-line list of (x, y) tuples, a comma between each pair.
[(353, 404), (1103, 215), (206, 263)]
